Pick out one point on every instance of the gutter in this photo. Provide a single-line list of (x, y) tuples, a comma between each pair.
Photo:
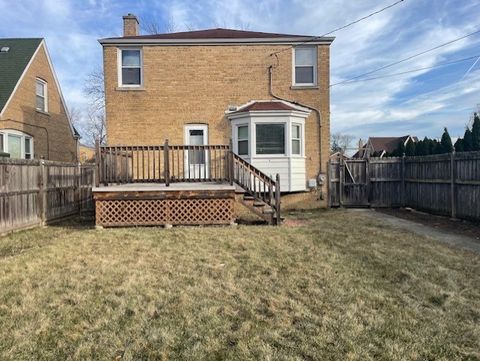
[(319, 115)]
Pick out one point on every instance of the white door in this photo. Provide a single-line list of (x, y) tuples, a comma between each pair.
[(196, 162)]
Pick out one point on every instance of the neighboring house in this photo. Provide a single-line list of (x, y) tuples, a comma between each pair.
[(381, 146), (267, 92), (86, 153), (34, 121)]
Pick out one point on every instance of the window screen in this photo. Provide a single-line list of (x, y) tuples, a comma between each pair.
[(270, 138), (131, 67), (305, 65)]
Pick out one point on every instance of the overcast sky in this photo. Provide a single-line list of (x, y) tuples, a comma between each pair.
[(419, 103)]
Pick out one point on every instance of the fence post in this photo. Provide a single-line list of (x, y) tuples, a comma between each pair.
[(230, 162), (98, 165), (341, 180), (452, 185), (404, 197), (42, 193), (166, 161), (329, 183), (78, 191), (278, 219)]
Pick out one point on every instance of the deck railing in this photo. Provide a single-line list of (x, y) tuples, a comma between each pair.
[(185, 163)]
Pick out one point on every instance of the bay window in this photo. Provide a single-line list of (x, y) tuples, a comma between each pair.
[(18, 144), (242, 139), (305, 65), (130, 74), (270, 138), (296, 139)]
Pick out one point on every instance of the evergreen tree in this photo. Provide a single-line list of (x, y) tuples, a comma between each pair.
[(459, 145), (468, 141), (476, 132), (446, 142), (400, 151), (410, 148)]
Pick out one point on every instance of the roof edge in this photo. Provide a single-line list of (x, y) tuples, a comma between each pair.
[(284, 40)]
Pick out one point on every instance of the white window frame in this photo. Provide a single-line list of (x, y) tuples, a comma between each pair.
[(6, 132), (300, 139), (237, 139), (45, 95), (120, 67), (315, 66)]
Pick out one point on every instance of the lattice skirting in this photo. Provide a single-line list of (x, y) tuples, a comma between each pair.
[(139, 212)]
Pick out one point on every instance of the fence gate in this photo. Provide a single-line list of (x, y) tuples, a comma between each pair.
[(348, 183)]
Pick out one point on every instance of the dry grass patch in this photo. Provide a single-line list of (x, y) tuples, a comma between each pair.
[(338, 287)]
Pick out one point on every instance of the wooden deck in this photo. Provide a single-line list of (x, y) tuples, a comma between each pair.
[(152, 204)]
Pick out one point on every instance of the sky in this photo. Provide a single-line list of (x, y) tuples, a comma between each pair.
[(419, 103)]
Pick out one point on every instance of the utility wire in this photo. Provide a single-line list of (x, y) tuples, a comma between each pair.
[(341, 27), (406, 59), (412, 70)]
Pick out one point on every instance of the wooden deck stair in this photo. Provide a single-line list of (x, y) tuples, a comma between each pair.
[(262, 193)]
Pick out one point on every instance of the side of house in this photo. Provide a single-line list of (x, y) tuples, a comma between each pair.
[(34, 121), (269, 93)]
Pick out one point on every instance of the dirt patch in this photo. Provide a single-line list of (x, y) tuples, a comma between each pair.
[(293, 222), (460, 227)]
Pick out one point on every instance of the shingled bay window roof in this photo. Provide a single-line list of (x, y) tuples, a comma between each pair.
[(213, 35)]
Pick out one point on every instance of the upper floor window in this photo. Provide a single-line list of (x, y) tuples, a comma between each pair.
[(19, 145), (41, 102), (130, 73), (305, 65)]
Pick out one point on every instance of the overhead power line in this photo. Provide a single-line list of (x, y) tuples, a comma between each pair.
[(411, 71), (406, 59), (341, 27)]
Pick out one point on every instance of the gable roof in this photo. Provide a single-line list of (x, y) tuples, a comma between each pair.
[(13, 63), (388, 144), (218, 35)]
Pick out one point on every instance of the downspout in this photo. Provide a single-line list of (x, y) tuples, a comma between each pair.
[(36, 126), (317, 112)]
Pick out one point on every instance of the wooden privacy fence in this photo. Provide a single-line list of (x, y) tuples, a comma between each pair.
[(34, 192), (445, 184)]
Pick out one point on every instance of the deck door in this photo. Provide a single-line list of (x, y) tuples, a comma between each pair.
[(196, 162)]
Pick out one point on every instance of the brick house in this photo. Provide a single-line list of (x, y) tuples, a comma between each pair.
[(34, 121), (268, 93)]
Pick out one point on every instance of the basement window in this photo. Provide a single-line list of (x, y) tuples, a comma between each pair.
[(41, 102), (305, 66), (130, 74)]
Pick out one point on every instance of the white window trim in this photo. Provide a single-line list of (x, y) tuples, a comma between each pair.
[(119, 68), (6, 132), (45, 94), (315, 66)]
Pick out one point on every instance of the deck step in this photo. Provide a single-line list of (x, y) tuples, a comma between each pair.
[(258, 204), (248, 198)]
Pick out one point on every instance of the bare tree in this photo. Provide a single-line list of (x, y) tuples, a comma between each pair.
[(340, 142), (75, 116), (151, 26), (94, 122)]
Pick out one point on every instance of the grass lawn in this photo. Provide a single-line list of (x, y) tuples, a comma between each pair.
[(335, 286)]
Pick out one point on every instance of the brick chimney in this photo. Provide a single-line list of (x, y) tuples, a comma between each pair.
[(130, 25)]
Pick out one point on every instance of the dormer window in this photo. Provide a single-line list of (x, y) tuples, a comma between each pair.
[(305, 66), (130, 72), (41, 95)]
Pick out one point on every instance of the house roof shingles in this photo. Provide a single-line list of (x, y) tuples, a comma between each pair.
[(218, 33), (267, 105), (13, 63)]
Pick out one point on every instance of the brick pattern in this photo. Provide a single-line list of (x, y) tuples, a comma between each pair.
[(21, 108), (195, 84)]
